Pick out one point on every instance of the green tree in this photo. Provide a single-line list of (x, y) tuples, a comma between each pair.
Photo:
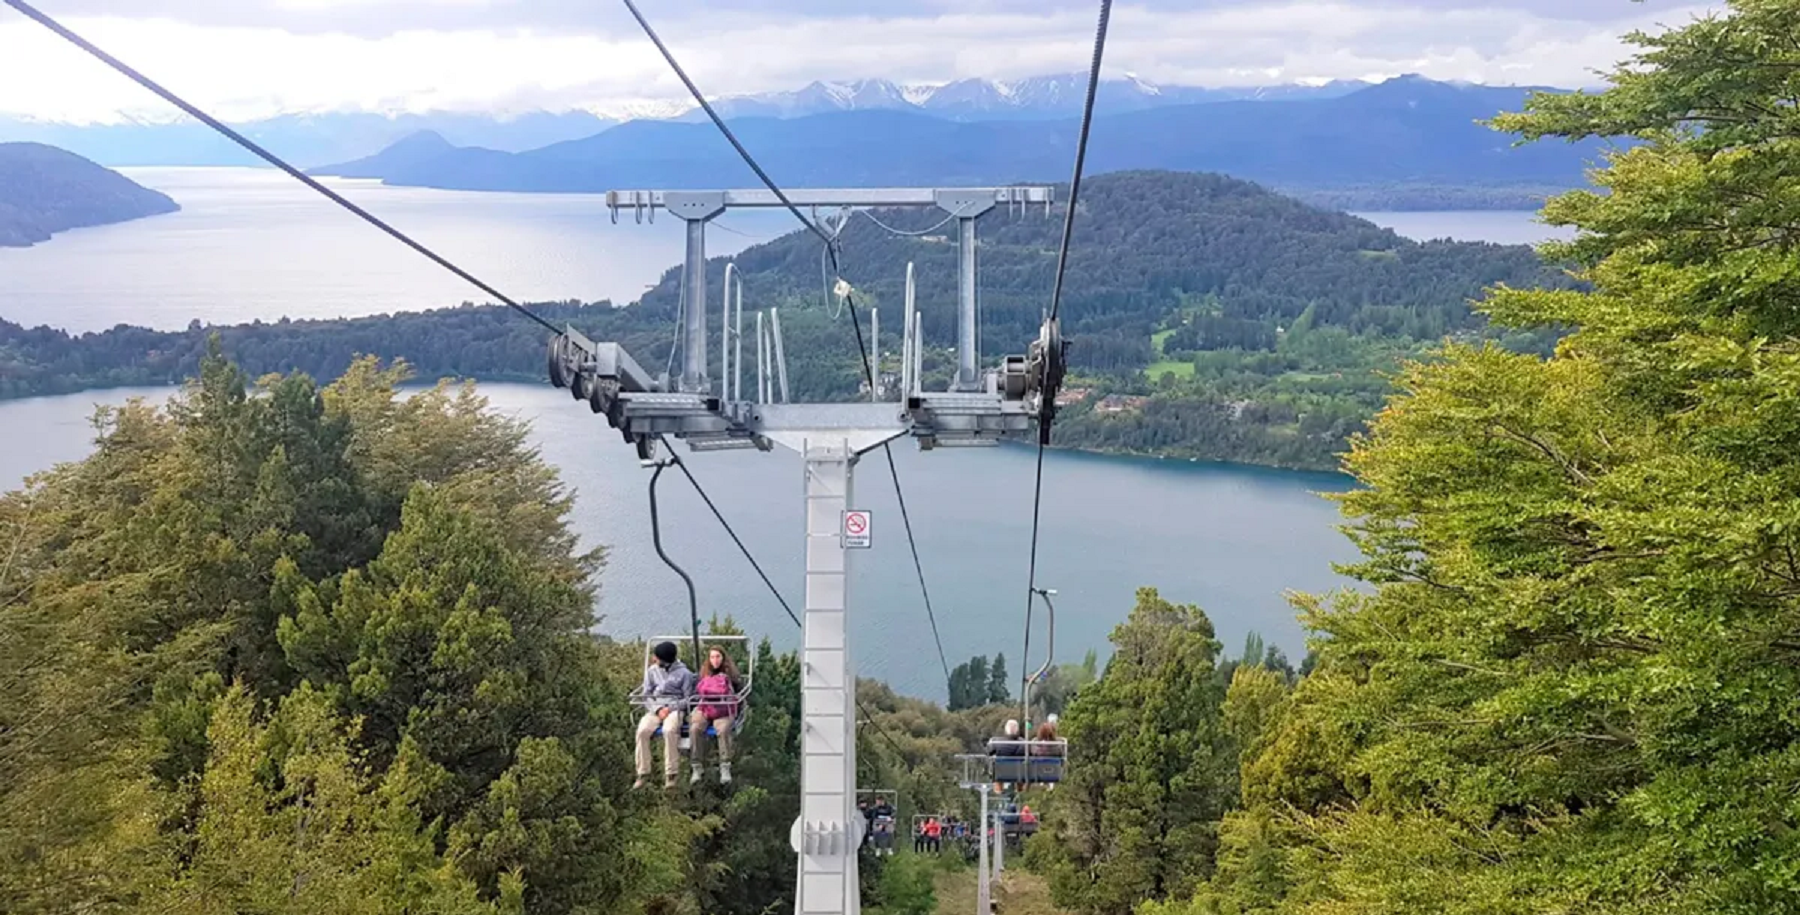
[(969, 684), (1151, 769), (907, 886), (1573, 686), (288, 822), (998, 691), (418, 715)]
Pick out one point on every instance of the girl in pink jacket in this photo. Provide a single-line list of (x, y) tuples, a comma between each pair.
[(716, 703)]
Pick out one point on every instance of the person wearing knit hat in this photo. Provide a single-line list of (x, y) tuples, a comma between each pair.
[(667, 686)]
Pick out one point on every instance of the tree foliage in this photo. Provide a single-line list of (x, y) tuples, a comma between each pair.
[(1150, 768), (1573, 685), (286, 648)]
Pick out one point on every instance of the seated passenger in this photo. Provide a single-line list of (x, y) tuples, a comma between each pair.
[(1045, 740), (717, 695), (1009, 743), (666, 688)]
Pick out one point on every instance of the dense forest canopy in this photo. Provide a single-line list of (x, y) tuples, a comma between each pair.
[(1256, 325), (1571, 685), (279, 647)]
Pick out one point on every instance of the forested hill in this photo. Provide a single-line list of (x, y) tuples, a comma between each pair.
[(45, 190), (1149, 246), (1234, 268)]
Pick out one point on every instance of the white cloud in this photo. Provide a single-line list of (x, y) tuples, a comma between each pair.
[(250, 70)]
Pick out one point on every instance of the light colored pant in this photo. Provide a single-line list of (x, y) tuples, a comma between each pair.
[(671, 743), (697, 730)]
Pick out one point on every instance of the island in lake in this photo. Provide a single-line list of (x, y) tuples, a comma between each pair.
[(45, 190)]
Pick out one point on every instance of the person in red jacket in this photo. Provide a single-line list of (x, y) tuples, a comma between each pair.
[(716, 703)]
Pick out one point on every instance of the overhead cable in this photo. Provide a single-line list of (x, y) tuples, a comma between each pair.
[(47, 22), (719, 122), (1062, 263), (831, 249)]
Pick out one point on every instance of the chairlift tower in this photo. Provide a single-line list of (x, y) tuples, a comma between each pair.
[(980, 409)]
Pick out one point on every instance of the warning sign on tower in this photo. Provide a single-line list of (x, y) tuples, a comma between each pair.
[(856, 529)]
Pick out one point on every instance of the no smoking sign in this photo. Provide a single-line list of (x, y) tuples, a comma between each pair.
[(856, 529)]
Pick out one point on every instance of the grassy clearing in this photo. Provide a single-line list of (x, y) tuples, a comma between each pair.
[(1181, 369), (1018, 893)]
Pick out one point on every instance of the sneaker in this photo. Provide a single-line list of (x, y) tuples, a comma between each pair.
[(670, 780), (724, 773), (695, 778), (641, 781)]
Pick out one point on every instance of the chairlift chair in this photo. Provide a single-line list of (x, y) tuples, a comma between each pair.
[(880, 837), (1024, 761), (738, 647)]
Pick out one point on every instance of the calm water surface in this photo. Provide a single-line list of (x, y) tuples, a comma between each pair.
[(251, 243), (254, 243), (1231, 539), (1505, 227)]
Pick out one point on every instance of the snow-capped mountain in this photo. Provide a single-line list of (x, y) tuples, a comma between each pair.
[(985, 99)]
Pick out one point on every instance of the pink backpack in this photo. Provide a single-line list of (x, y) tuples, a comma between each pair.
[(715, 686)]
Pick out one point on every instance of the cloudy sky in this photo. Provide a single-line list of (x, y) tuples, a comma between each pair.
[(253, 58)]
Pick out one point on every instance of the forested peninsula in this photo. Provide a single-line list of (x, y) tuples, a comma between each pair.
[(1211, 318), (45, 190)]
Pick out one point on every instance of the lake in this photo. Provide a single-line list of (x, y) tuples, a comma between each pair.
[(1504, 227), (252, 243), (1229, 538)]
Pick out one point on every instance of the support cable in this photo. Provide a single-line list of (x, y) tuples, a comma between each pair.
[(719, 122), (46, 21), (682, 465), (906, 234), (831, 249), (656, 540), (1062, 264)]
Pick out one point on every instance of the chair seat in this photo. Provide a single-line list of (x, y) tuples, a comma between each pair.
[(737, 726), (1028, 769)]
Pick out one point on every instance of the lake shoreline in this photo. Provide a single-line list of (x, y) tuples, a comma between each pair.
[(1231, 539), (1120, 453)]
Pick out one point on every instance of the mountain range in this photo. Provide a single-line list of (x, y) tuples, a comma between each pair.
[(317, 139), (1408, 133), (44, 190), (988, 100), (306, 139)]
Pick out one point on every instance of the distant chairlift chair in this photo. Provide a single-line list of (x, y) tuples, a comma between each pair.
[(1025, 762)]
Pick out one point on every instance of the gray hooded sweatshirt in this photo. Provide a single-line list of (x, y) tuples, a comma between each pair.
[(667, 686)]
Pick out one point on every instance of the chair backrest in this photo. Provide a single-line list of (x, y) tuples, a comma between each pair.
[(1026, 762), (741, 651)]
